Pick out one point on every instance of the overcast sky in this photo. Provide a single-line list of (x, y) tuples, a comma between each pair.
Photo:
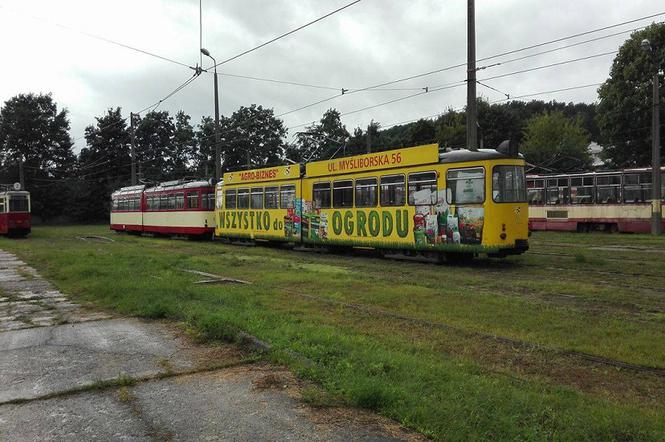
[(44, 50)]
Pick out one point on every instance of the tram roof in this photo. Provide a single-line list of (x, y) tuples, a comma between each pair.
[(173, 185), (592, 173), (129, 190)]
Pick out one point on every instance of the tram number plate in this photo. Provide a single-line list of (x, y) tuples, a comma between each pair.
[(557, 214)]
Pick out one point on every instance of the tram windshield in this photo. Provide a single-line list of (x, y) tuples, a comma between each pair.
[(18, 203), (508, 184)]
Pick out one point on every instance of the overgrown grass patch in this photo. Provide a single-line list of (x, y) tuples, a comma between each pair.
[(427, 378)]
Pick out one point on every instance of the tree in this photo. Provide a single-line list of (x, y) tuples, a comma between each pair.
[(252, 137), (554, 141), (321, 140), (625, 108), (451, 129), (204, 156), (104, 165), (155, 147), (421, 132), (184, 146), (35, 132)]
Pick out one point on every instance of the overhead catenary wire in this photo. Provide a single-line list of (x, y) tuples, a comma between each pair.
[(285, 34), (98, 37), (459, 65), (153, 105)]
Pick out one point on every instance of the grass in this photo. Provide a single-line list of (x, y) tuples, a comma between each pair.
[(413, 341)]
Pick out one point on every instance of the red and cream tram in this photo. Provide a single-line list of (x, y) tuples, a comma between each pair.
[(616, 201), (171, 208), (15, 220)]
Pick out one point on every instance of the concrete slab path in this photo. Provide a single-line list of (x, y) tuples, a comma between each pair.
[(70, 373)]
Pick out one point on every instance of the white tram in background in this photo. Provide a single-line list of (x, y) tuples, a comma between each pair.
[(171, 208), (617, 201)]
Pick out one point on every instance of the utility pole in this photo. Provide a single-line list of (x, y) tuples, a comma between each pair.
[(369, 136), (656, 212), (21, 178), (656, 204), (133, 120), (218, 148), (471, 105)]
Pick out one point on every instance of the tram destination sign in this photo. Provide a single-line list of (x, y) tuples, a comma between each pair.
[(291, 171), (375, 161)]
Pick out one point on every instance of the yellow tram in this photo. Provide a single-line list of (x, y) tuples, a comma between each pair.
[(417, 199)]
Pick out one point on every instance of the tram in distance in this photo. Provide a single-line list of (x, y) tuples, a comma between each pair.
[(418, 200), (171, 208), (15, 218), (614, 201)]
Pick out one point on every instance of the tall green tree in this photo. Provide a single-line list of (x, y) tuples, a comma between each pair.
[(321, 140), (451, 129), (184, 146), (422, 132), (155, 147), (35, 132), (551, 140), (104, 165), (252, 135), (625, 107), (204, 156)]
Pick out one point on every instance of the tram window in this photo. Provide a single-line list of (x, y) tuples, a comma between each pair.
[(608, 189), (230, 199), (321, 195), (608, 194), (2, 206), (535, 192), (631, 179), (422, 188), (193, 200), (256, 201), (114, 204), (287, 197), (467, 186), (508, 184), (208, 201), (609, 180), (536, 197), (558, 191), (18, 203), (535, 184), (392, 190), (632, 191), (366, 192), (172, 201), (581, 190), (179, 200), (243, 198), (272, 197), (342, 193)]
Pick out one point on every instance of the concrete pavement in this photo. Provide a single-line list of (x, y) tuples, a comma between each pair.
[(71, 373)]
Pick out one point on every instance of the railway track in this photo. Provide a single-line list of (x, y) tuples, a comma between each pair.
[(588, 357)]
